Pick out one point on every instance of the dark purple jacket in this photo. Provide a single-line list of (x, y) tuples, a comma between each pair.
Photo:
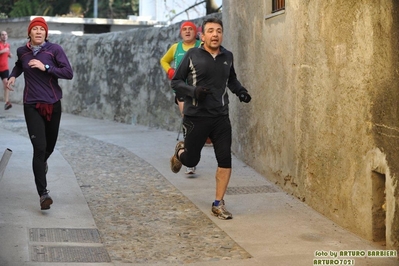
[(42, 86)]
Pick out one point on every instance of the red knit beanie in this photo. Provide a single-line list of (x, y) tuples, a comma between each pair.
[(189, 24), (39, 21)]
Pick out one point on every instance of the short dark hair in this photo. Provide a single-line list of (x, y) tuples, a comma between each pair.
[(211, 20)]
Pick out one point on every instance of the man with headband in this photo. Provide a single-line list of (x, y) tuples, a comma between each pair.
[(172, 58)]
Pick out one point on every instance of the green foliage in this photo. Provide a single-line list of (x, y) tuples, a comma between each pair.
[(24, 8), (134, 4), (76, 10), (6, 7), (117, 8), (106, 8), (81, 8)]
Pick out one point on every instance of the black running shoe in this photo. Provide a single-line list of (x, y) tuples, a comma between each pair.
[(45, 201), (7, 106)]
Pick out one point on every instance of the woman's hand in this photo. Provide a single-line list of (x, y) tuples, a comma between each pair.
[(34, 63), (10, 83)]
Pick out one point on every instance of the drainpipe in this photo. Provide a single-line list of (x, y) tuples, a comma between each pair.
[(95, 14)]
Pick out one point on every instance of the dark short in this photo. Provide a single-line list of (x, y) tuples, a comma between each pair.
[(4, 74), (197, 130)]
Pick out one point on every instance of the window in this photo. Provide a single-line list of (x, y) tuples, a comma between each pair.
[(278, 5), (275, 7)]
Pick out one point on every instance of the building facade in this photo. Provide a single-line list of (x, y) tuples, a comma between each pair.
[(324, 120)]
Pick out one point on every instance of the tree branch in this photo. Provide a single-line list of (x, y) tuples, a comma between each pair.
[(184, 11)]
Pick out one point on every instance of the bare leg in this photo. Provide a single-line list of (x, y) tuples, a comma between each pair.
[(222, 181), (6, 91)]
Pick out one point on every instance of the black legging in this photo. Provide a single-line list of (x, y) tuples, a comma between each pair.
[(197, 130), (43, 135)]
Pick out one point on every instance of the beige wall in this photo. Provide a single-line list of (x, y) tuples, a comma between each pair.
[(324, 120)]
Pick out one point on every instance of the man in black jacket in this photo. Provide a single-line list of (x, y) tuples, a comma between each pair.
[(204, 75)]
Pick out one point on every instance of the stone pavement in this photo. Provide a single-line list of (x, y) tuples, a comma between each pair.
[(116, 202)]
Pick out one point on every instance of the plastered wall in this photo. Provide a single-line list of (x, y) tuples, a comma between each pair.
[(324, 120)]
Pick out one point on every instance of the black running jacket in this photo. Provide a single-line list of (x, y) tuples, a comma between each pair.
[(200, 68)]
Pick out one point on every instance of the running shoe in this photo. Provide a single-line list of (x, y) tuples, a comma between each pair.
[(7, 106), (220, 211), (45, 201), (175, 164), (190, 170)]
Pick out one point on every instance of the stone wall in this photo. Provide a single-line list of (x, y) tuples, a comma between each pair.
[(117, 76), (17, 27), (323, 123)]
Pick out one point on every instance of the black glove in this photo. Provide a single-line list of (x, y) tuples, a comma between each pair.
[(201, 93), (244, 97)]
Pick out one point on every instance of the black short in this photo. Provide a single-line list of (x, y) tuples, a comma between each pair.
[(197, 130), (4, 74)]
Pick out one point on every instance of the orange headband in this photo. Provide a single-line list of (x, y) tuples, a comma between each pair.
[(189, 24)]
